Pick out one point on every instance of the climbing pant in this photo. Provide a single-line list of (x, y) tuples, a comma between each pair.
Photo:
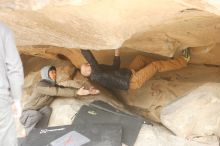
[(8, 135), (143, 68), (35, 118)]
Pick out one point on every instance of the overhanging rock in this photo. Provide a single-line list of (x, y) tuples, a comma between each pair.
[(155, 26)]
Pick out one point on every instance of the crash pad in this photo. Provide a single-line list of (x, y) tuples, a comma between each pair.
[(100, 113)]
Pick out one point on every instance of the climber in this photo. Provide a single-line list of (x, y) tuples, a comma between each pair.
[(140, 70), (36, 112)]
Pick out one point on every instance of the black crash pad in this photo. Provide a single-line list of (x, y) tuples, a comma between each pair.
[(102, 113), (42, 137), (98, 135), (101, 134)]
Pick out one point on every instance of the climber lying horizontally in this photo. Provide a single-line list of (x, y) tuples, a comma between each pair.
[(36, 112), (140, 70)]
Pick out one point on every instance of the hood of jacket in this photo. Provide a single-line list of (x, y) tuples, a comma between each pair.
[(45, 74)]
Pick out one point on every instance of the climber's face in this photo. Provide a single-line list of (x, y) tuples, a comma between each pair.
[(86, 69), (53, 74)]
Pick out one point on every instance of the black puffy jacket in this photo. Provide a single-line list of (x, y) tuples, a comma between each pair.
[(109, 76)]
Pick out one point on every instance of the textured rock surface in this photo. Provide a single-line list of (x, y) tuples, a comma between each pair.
[(160, 26), (196, 114), (157, 135), (166, 87)]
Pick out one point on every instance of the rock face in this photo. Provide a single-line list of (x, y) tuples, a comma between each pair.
[(158, 26), (196, 114), (157, 135), (164, 88)]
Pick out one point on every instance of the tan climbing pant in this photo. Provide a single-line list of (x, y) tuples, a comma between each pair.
[(144, 68), (8, 135)]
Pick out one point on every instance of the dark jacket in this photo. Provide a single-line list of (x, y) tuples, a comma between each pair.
[(109, 76)]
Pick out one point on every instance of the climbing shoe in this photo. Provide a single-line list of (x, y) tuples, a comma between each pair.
[(186, 54)]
